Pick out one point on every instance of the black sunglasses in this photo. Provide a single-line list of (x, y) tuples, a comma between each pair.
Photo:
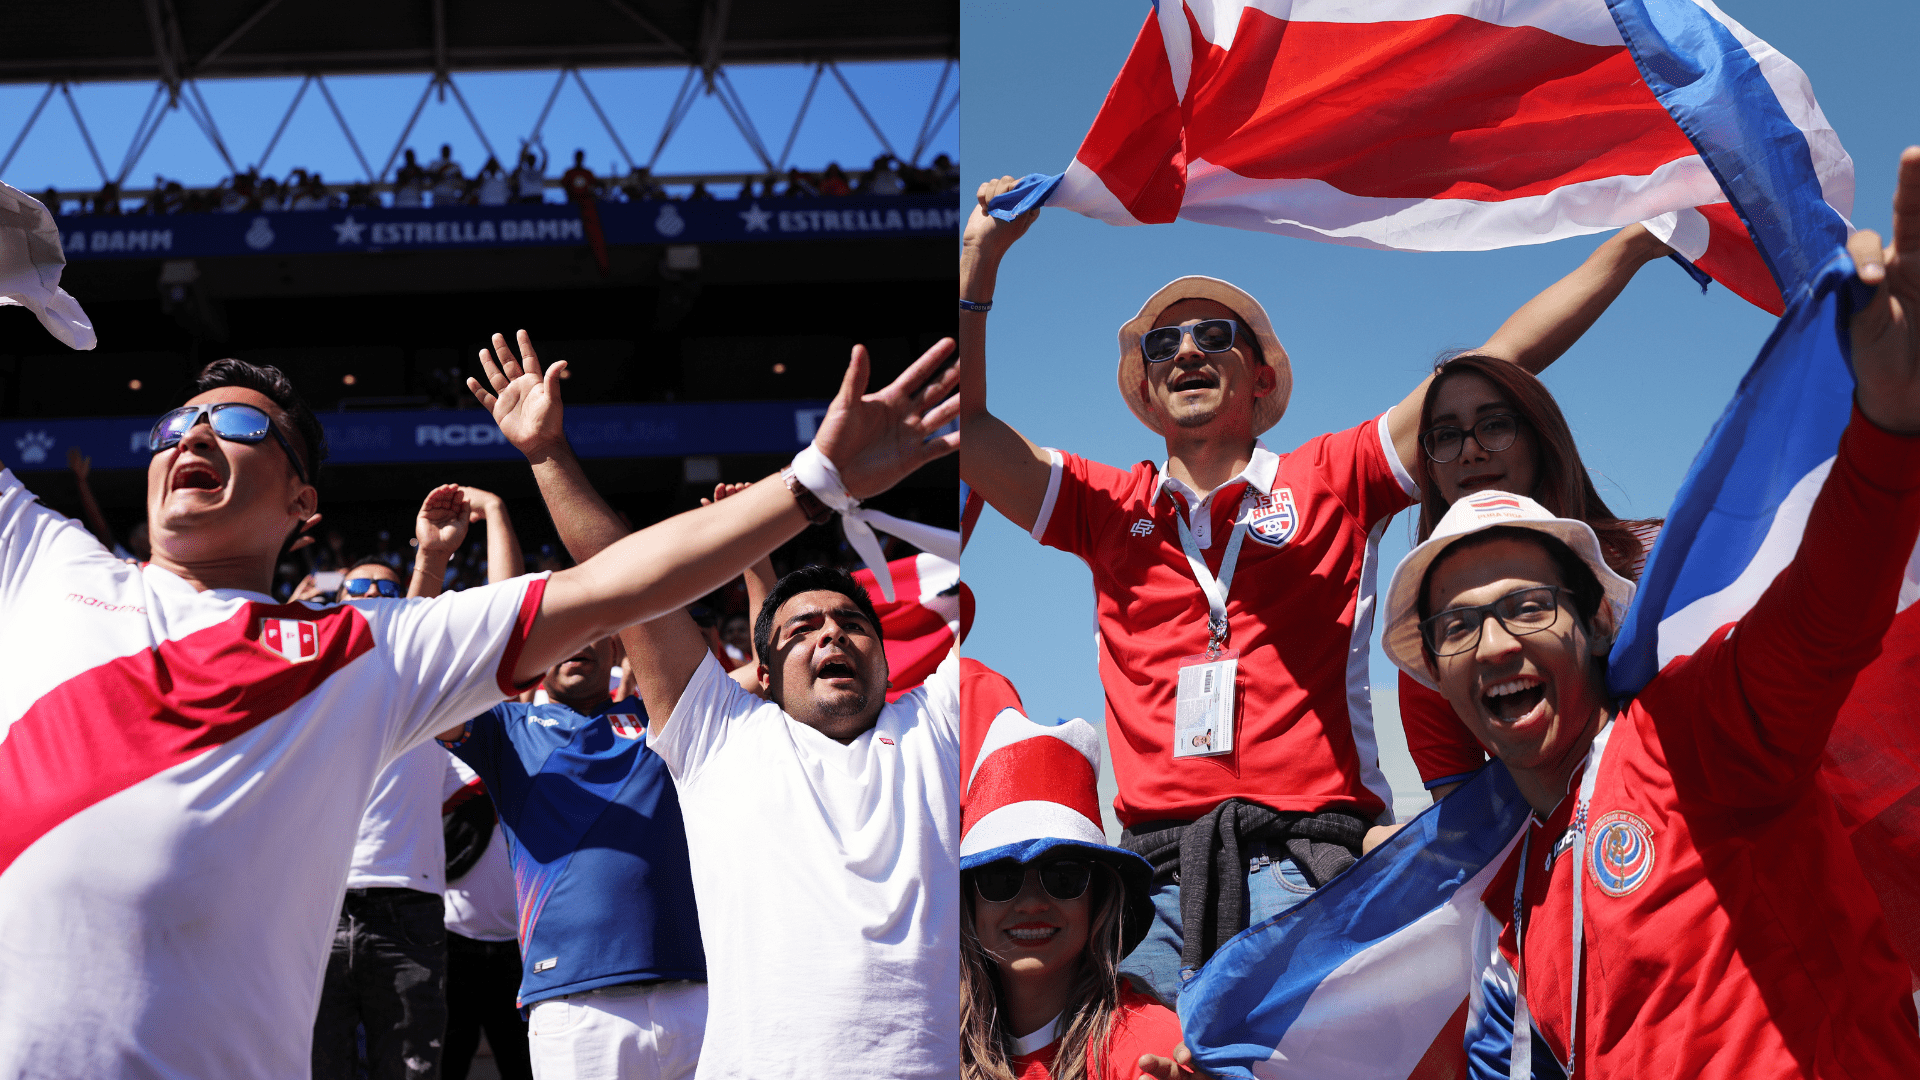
[(1209, 336), (1063, 879), (360, 587), (233, 421)]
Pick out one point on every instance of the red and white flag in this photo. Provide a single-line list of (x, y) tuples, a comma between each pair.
[(1426, 125), (920, 624)]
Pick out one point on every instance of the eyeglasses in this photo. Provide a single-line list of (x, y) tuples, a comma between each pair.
[(1521, 612), (233, 421), (1063, 879), (1209, 336), (1494, 432), (367, 586)]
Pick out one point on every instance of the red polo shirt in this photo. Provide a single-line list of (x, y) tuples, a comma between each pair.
[(1300, 611)]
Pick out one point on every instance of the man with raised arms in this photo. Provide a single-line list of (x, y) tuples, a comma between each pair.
[(1709, 917), (822, 823), (184, 761), (1235, 586)]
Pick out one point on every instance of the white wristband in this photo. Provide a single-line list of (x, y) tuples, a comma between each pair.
[(818, 475)]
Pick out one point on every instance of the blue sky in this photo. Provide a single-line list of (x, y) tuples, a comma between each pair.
[(507, 104), (1362, 327)]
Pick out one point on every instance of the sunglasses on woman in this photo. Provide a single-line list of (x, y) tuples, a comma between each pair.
[(1063, 879), (233, 421), (362, 587), (1209, 336)]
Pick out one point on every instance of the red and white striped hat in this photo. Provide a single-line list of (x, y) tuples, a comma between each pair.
[(1032, 788)]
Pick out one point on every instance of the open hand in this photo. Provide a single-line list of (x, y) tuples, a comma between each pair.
[(876, 440), (442, 524), (524, 401), (1886, 333)]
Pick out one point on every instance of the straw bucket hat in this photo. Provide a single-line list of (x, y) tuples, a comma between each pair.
[(1133, 368)]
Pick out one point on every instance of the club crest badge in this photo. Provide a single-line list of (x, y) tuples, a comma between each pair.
[(1272, 519), (1622, 852), (625, 727), (296, 639)]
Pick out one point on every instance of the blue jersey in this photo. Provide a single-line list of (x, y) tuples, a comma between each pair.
[(598, 847)]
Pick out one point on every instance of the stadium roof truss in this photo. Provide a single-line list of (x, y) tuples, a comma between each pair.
[(175, 43)]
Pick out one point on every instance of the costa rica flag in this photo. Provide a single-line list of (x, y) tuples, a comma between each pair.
[(1466, 125)]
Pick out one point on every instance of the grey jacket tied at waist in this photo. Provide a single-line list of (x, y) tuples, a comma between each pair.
[(1205, 858)]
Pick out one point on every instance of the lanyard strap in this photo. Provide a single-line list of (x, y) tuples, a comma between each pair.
[(1520, 1065), (1216, 590)]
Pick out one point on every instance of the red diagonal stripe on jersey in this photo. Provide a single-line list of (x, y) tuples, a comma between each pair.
[(1042, 767), (109, 728)]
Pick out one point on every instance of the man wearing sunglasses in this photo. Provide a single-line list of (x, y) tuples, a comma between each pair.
[(1229, 565), (188, 760)]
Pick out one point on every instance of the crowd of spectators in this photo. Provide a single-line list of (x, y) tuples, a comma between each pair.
[(442, 182)]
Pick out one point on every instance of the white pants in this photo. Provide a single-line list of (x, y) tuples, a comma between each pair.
[(649, 1032)]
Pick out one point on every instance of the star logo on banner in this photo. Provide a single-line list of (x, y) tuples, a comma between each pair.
[(349, 231), (756, 218)]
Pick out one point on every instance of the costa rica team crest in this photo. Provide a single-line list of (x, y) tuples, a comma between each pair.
[(296, 639), (1272, 518), (1622, 854)]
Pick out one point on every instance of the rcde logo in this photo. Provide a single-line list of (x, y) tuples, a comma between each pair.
[(457, 435)]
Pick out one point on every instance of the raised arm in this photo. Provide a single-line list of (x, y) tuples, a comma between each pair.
[(760, 581), (872, 440), (1006, 469), (439, 530), (504, 561), (89, 509), (1547, 325)]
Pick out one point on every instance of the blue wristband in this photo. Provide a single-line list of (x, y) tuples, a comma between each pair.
[(976, 305)]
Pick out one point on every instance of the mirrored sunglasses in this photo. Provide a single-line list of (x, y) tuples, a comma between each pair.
[(362, 587), (233, 421)]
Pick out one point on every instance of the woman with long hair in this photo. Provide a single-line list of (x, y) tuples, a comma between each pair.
[(1487, 425), (1048, 908)]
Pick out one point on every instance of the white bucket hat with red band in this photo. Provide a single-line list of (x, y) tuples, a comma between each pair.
[(1032, 789), (1476, 513)]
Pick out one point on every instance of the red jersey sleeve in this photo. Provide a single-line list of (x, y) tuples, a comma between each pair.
[(1362, 469), (1141, 1025), (1745, 720), (1443, 749), (1083, 497)]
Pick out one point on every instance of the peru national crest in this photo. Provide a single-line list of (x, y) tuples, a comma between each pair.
[(1272, 518), (296, 639), (1622, 852), (625, 726)]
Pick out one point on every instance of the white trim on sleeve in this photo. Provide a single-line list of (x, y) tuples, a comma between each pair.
[(1053, 493), (1393, 458)]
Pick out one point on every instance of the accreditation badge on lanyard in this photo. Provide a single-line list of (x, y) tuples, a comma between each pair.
[(1203, 706)]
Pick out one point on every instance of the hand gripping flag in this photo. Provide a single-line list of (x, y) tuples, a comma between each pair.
[(1456, 125)]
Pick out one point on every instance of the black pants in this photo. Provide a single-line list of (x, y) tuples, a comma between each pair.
[(483, 982), (388, 972)]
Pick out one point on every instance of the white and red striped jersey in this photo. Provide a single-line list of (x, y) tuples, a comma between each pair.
[(182, 775)]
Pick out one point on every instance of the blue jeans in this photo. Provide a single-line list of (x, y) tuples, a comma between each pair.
[(1274, 884)]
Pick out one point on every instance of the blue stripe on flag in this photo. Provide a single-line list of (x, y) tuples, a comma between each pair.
[(1713, 88), (1785, 419), (1242, 1002)]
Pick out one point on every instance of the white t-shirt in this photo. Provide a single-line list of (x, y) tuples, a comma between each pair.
[(480, 903), (182, 774), (401, 843), (828, 879)]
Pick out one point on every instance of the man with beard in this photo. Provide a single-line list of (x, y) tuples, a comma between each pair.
[(613, 973), (822, 821)]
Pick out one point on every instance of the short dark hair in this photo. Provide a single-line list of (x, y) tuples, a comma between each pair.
[(273, 384), (370, 560), (1582, 584), (804, 580)]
